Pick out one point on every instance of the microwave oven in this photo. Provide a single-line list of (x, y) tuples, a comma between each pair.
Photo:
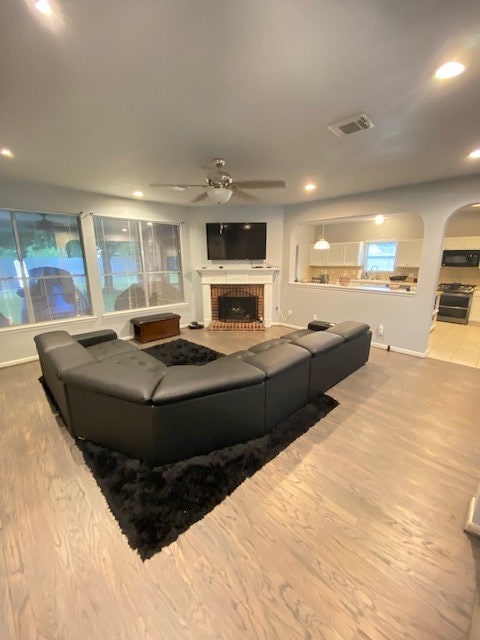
[(461, 258)]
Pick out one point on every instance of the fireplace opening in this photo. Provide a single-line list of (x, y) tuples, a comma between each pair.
[(238, 309)]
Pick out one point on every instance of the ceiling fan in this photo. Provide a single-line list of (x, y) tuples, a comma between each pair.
[(220, 186)]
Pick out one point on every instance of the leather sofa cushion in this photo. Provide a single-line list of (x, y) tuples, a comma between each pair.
[(267, 344), (293, 335), (240, 355), (190, 381), (120, 377), (319, 342), (95, 337), (110, 348), (136, 359), (349, 329), (53, 340), (278, 358), (64, 358)]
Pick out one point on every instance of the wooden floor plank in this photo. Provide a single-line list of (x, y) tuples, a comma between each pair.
[(353, 532)]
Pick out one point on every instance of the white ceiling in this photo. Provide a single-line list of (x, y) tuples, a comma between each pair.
[(110, 96)]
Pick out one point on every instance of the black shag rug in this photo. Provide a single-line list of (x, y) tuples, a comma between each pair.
[(154, 505), (182, 352)]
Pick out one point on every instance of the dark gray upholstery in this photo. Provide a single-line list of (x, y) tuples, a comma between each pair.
[(95, 337), (286, 368), (112, 393), (188, 381), (107, 349), (262, 346)]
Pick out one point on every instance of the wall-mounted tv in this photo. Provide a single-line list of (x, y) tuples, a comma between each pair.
[(237, 240)]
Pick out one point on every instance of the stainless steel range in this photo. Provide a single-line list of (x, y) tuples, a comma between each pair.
[(455, 302)]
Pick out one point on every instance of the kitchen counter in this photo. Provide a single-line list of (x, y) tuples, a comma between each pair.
[(368, 286)]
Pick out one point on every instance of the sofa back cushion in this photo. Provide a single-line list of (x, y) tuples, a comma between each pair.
[(189, 381), (129, 376)]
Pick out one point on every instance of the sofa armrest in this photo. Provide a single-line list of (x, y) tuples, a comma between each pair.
[(95, 337)]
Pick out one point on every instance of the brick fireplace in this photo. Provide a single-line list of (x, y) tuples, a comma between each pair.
[(237, 282), (236, 306)]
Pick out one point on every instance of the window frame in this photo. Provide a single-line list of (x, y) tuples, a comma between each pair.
[(379, 267), (23, 276), (143, 275)]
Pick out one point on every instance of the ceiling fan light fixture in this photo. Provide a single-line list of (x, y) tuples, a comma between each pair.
[(219, 195)]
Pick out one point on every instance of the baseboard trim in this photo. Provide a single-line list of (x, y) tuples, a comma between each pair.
[(13, 363), (470, 526), (408, 352)]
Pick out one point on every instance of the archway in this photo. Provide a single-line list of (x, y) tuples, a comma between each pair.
[(456, 333)]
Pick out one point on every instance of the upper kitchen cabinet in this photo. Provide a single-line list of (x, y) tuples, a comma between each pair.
[(340, 254), (354, 253), (409, 253), (462, 242)]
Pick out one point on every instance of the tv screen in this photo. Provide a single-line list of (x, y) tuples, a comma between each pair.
[(236, 240)]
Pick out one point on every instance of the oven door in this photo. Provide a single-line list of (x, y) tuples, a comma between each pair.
[(454, 307)]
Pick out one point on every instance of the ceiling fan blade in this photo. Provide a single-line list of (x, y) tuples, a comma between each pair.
[(200, 197), (243, 194), (260, 184), (180, 187)]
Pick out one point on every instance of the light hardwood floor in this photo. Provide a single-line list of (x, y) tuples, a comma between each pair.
[(353, 532), (459, 343)]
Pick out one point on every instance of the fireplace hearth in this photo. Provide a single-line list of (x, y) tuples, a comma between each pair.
[(238, 308)]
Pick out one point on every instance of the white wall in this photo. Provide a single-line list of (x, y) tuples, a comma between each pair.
[(399, 227), (464, 224), (406, 320), (199, 216), (16, 343)]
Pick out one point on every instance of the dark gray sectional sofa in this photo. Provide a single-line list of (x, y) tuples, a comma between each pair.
[(112, 393)]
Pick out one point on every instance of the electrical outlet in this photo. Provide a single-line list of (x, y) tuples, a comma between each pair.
[(314, 316), (380, 329)]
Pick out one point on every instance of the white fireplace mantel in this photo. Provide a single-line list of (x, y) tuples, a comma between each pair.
[(238, 275)]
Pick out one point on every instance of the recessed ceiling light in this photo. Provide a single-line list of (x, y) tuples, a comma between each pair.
[(449, 70), (7, 153), (43, 6), (310, 187), (124, 229), (474, 154), (138, 194), (149, 224), (379, 219)]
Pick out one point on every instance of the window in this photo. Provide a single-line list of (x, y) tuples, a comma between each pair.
[(139, 263), (42, 271), (380, 256)]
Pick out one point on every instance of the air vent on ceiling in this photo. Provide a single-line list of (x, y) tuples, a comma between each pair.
[(351, 125)]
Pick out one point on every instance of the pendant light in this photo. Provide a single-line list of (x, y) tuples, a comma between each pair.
[(321, 243)]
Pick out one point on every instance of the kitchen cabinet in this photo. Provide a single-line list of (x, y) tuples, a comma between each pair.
[(462, 242), (475, 308), (340, 254), (409, 253), (353, 255)]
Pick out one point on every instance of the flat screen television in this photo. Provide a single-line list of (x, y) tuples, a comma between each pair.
[(237, 240)]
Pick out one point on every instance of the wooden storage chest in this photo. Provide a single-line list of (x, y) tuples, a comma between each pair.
[(155, 327)]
